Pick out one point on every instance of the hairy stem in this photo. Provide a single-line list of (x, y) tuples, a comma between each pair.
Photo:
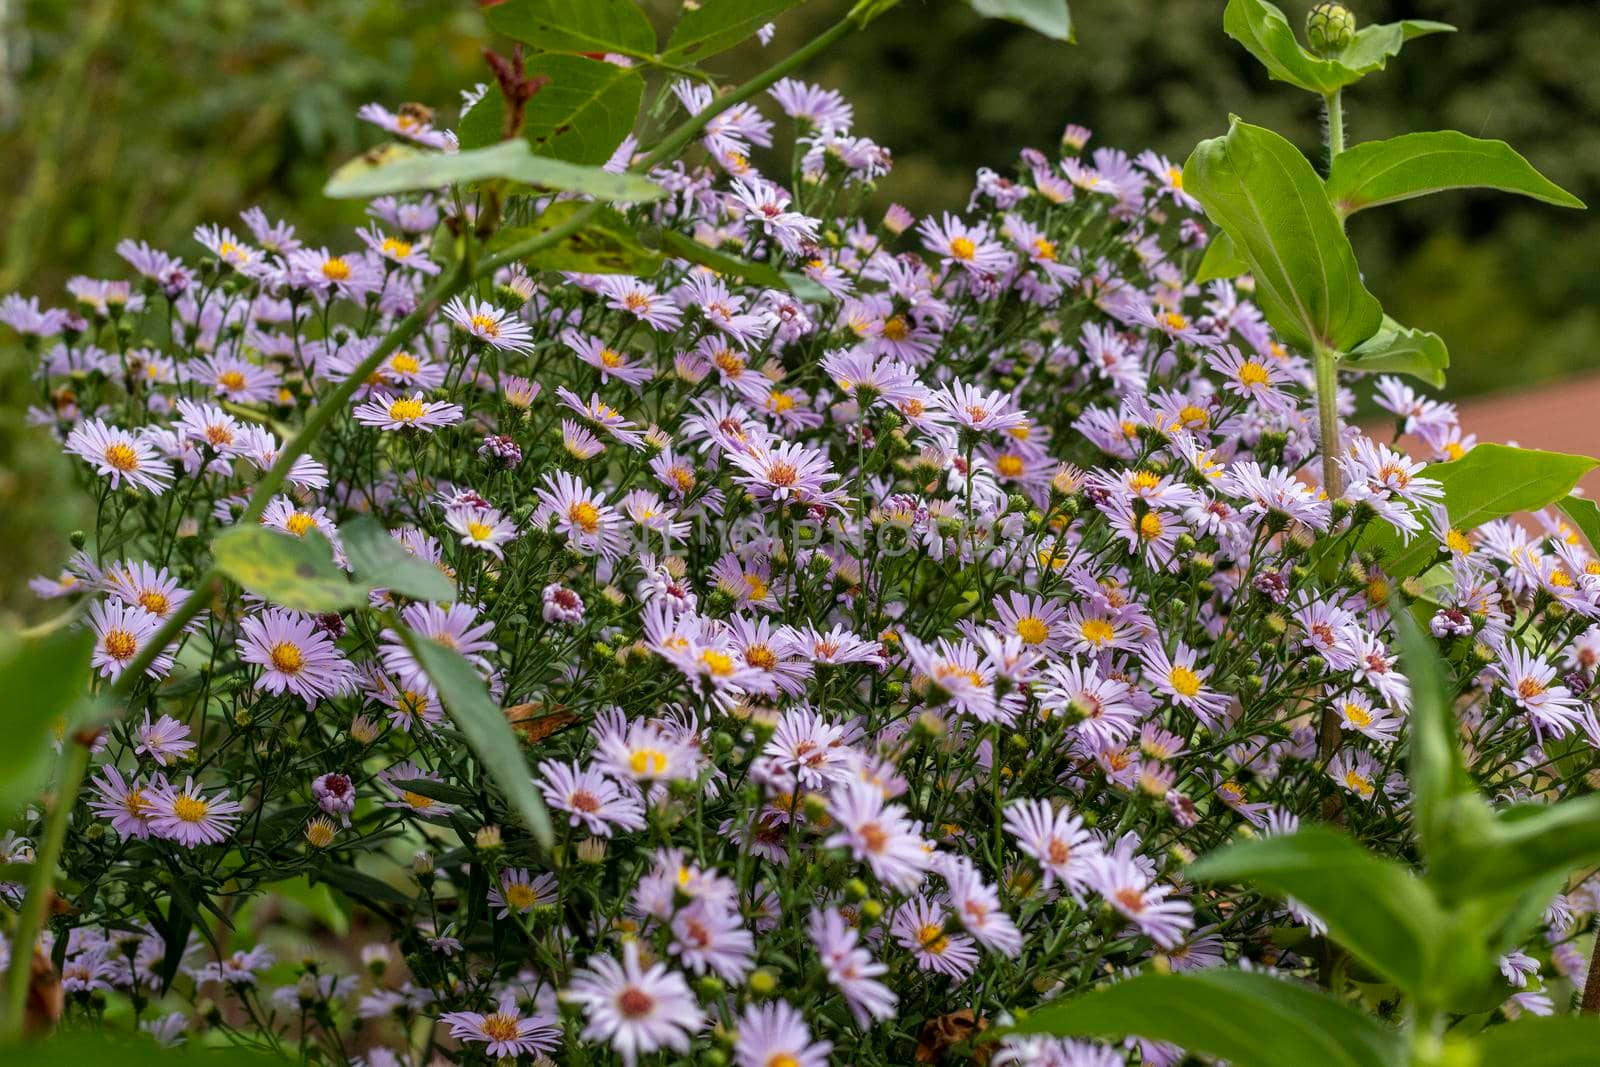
[(1333, 115)]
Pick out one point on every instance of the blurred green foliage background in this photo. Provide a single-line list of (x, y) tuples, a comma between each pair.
[(146, 117)]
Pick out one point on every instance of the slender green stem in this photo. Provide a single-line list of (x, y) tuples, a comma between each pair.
[(1327, 365), (1333, 114), (74, 764)]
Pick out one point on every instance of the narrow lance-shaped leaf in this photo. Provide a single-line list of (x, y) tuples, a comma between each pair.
[(1049, 17), (402, 169), (484, 727), (1374, 907), (1415, 164), (581, 115), (605, 245), (1249, 1019), (1397, 349), (42, 678), (381, 562), (714, 26), (295, 572), (1266, 197), (1489, 482), (576, 25)]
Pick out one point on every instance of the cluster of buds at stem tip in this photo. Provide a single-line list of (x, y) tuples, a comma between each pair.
[(1330, 28)]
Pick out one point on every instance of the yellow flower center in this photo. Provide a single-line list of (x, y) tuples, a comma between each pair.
[(336, 270), (519, 896), (406, 409), (719, 664), (1098, 631), (416, 800), (761, 657), (1357, 715), (1175, 176), (648, 761), (1184, 682), (231, 379), (479, 531), (585, 516), (895, 328), (500, 1027), (611, 357), (120, 645), (962, 248), (155, 602), (1358, 782), (287, 657), (1009, 465), (1457, 542), (1149, 526), (484, 326), (398, 249), (1032, 630), (299, 523), (1044, 249), (1175, 321), (1529, 688), (782, 474), (122, 457), (758, 586), (931, 937), (1253, 373), (405, 363), (190, 809)]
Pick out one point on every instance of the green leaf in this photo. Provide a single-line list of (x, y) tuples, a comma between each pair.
[(1526, 845), (1397, 349), (42, 677), (113, 1048), (1415, 164), (1247, 1018), (685, 247), (1264, 31), (295, 572), (581, 116), (1442, 792), (1489, 482), (1585, 514), (361, 886), (1267, 198), (483, 724), (1374, 907), (1222, 260), (381, 562), (402, 169), (717, 25), (1049, 17), (576, 26), (1551, 1041), (605, 245)]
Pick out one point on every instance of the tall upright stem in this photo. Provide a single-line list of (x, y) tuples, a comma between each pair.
[(1333, 114), (1327, 365)]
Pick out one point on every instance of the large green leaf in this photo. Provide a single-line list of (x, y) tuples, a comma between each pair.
[(1264, 31), (1221, 260), (42, 678), (684, 247), (402, 169), (483, 724), (1416, 164), (576, 25), (581, 116), (381, 562), (1265, 195), (295, 572), (1489, 482), (605, 245), (1247, 1018), (1397, 349), (1527, 845), (1552, 1041), (1049, 17), (713, 26), (1374, 907), (1585, 515)]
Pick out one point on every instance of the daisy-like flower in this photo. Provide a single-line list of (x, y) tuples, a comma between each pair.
[(1356, 772), (776, 1035), (230, 250), (610, 362), (1118, 878), (1184, 683), (962, 677), (142, 585), (190, 818), (642, 301), (126, 802), (1100, 709), (707, 936), (789, 470), (210, 427), (1057, 839), (878, 834), (505, 1032), (977, 906), (295, 655), (969, 247), (495, 328), (165, 740), (602, 416), (1274, 491), (482, 528), (520, 892), (1250, 377), (850, 968), (591, 526), (119, 455), (562, 605), (1357, 713), (121, 631), (591, 799), (455, 626), (767, 203), (642, 751), (580, 444), (402, 412), (401, 251), (1528, 683), (919, 927), (1388, 482), (235, 378), (976, 409), (414, 122), (637, 1010)]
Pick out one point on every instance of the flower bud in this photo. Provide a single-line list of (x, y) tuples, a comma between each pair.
[(763, 983), (1330, 27), (488, 839), (871, 911)]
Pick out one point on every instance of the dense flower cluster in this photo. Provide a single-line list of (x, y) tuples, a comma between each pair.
[(882, 645)]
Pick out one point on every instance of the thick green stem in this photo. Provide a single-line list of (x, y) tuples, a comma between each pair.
[(1333, 114), (1327, 364), (74, 765)]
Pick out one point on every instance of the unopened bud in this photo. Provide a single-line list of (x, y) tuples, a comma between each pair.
[(1330, 27)]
